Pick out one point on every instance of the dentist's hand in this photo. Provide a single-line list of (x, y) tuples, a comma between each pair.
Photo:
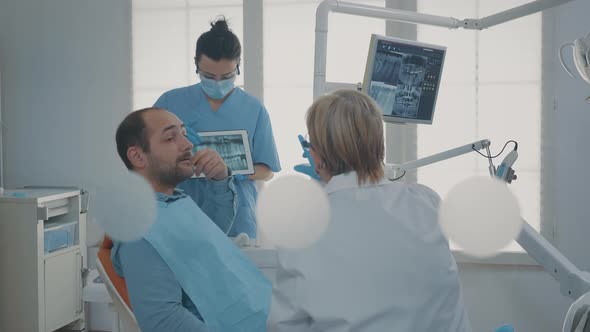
[(210, 163), (307, 169)]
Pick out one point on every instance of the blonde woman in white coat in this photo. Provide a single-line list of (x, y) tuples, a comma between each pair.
[(383, 264)]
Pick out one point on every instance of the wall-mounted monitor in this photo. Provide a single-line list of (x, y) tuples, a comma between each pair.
[(403, 77)]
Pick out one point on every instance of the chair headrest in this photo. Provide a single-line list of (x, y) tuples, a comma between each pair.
[(106, 243), (104, 255)]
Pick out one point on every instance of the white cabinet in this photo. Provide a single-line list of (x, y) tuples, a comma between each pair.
[(42, 256)]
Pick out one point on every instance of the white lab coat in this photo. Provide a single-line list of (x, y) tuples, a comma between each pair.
[(382, 265)]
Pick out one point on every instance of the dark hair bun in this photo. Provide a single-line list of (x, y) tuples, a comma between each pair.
[(219, 25), (219, 42)]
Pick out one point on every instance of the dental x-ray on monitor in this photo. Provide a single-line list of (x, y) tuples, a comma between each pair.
[(403, 77)]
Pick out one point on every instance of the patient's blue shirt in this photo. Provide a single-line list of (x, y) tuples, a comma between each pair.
[(186, 275)]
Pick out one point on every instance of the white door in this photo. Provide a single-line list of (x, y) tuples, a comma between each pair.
[(62, 289)]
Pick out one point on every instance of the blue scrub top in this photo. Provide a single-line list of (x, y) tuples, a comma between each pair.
[(239, 111)]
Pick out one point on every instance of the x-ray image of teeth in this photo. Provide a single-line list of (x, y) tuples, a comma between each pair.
[(230, 148), (395, 83), (386, 68), (412, 70), (384, 95), (407, 98)]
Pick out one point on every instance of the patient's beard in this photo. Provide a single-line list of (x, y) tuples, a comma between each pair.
[(168, 175)]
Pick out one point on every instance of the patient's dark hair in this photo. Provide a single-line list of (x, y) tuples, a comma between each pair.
[(132, 132)]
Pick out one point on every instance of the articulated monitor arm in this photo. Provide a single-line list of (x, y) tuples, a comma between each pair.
[(573, 282), (392, 170)]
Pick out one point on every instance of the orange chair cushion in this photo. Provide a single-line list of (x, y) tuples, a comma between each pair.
[(104, 254)]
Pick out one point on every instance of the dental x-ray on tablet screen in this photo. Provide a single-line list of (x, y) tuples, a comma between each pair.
[(232, 145)]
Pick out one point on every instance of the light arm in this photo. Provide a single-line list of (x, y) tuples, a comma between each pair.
[(392, 170), (328, 6), (321, 29), (514, 13), (573, 282)]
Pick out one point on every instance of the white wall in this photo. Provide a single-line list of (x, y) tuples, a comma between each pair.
[(524, 297), (66, 84)]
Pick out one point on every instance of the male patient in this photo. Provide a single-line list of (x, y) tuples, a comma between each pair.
[(185, 274)]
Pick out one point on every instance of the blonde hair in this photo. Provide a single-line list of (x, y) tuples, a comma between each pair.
[(346, 130)]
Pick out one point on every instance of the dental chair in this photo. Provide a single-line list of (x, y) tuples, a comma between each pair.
[(117, 289)]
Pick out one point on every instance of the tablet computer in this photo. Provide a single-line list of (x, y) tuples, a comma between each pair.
[(232, 145)]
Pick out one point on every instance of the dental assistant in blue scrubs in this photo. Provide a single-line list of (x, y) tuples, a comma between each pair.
[(216, 104)]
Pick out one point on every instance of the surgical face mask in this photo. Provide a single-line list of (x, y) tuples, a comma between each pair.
[(217, 89)]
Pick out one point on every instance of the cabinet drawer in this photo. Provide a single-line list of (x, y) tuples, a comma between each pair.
[(54, 208), (58, 236)]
